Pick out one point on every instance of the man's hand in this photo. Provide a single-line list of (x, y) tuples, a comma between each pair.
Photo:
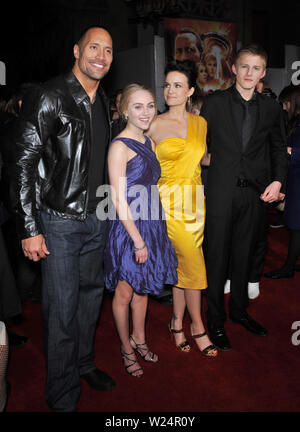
[(35, 247), (272, 193)]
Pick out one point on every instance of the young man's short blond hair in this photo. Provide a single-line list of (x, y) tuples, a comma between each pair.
[(253, 49)]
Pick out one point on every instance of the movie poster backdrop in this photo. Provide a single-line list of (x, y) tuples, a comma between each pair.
[(211, 45)]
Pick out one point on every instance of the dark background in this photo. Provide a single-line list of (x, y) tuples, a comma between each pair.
[(37, 37)]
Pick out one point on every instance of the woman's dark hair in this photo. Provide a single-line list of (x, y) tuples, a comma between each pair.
[(294, 111), (286, 93), (197, 99), (186, 67)]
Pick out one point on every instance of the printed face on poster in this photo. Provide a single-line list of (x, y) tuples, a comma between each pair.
[(211, 45)]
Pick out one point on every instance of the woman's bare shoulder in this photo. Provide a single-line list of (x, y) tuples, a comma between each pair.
[(118, 145)]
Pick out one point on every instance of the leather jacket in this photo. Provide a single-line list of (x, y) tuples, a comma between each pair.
[(52, 151)]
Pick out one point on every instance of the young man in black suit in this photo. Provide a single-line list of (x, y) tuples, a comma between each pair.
[(248, 167)]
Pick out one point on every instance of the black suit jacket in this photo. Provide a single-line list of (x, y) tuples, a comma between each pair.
[(264, 160)]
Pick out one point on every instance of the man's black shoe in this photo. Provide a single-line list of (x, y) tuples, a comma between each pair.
[(15, 340), (219, 338), (99, 380), (280, 273), (250, 325)]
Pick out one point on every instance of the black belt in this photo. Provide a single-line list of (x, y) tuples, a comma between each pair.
[(242, 182)]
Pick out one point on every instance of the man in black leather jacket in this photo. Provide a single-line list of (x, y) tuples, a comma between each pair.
[(61, 144)]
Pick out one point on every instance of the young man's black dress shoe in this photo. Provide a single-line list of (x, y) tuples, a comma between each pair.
[(250, 325), (98, 380), (280, 273), (219, 338)]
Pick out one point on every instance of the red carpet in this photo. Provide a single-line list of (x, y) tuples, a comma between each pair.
[(259, 374)]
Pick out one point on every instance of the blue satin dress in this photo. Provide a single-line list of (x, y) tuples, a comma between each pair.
[(142, 173)]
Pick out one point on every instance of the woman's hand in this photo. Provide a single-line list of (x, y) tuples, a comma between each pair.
[(141, 253), (272, 193)]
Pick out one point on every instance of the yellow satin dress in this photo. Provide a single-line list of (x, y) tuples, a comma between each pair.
[(181, 192)]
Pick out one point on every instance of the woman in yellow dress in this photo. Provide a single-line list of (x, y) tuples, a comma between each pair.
[(180, 139)]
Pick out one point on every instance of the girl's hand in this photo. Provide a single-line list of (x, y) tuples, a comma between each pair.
[(141, 254)]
